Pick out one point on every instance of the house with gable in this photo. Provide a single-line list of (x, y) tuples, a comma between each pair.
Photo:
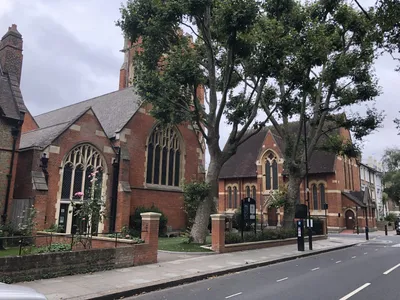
[(138, 162), (256, 170), (12, 114)]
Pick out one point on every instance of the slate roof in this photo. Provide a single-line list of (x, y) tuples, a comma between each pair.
[(113, 110), (11, 102), (361, 198), (243, 163)]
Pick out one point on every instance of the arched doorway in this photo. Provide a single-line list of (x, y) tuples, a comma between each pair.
[(272, 216), (350, 221)]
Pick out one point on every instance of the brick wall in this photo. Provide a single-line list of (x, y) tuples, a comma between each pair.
[(29, 123), (47, 265), (218, 239), (167, 199), (25, 268)]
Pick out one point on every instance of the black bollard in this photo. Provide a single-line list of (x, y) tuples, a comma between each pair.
[(385, 229), (366, 233)]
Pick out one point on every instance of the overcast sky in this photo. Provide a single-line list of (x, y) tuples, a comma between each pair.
[(71, 53)]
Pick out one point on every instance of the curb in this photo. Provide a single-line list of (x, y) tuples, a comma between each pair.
[(177, 282)]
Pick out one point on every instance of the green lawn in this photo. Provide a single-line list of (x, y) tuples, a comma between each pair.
[(9, 252), (178, 244)]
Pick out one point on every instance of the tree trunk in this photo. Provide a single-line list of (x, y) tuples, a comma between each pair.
[(293, 196), (200, 226)]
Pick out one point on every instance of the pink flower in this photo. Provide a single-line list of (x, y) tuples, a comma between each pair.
[(78, 194)]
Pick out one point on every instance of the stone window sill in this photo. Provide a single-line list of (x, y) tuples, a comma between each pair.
[(163, 187)]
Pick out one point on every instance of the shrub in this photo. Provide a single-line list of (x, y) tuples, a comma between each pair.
[(268, 234), (54, 248), (135, 221), (391, 217), (237, 222)]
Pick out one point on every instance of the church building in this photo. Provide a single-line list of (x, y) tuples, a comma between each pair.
[(256, 171), (113, 137)]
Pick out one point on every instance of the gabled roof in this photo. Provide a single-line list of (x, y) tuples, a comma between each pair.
[(361, 198), (113, 111), (11, 102), (243, 163)]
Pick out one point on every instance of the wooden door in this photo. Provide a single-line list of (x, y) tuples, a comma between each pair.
[(349, 219)]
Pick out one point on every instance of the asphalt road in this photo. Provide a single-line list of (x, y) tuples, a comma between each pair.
[(367, 271)]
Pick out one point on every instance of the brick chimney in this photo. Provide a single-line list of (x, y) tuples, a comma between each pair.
[(11, 52)]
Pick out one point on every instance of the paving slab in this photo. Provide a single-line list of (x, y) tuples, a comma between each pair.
[(173, 270)]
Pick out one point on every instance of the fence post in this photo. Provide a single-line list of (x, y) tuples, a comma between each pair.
[(51, 239), (20, 245), (116, 239), (72, 241)]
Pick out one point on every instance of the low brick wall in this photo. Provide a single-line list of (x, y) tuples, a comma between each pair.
[(218, 239), (103, 256), (266, 244), (48, 265), (46, 238)]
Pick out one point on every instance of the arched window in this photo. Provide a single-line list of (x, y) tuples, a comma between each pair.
[(254, 192), (322, 195), (315, 196), (271, 172), (248, 191), (78, 166), (235, 195), (164, 157), (229, 197)]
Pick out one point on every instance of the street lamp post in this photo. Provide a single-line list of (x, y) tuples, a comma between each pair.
[(306, 191)]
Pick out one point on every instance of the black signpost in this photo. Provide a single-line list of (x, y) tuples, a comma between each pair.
[(248, 213), (300, 214)]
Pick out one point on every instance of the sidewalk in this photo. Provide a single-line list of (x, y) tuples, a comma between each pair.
[(173, 270)]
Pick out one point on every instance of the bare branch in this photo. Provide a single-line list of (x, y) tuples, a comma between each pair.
[(193, 31), (228, 77), (262, 124)]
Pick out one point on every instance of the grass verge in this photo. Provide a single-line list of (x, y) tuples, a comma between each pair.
[(179, 244)]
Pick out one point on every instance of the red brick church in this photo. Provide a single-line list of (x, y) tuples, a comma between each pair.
[(256, 171), (139, 163)]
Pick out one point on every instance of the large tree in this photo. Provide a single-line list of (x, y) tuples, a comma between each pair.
[(284, 57), (325, 66), (391, 177)]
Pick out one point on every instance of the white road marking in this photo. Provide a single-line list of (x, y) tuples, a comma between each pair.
[(391, 269), (396, 246), (354, 292), (315, 269), (237, 294), (282, 279), (376, 249), (365, 253), (338, 262), (354, 256)]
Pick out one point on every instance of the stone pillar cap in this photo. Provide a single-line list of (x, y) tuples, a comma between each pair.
[(218, 216), (150, 216)]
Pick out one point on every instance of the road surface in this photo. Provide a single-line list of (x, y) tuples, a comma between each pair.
[(367, 271)]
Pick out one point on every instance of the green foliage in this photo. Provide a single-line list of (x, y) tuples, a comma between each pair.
[(391, 177), (286, 58), (54, 228), (57, 247), (194, 193), (391, 217), (136, 219), (268, 234)]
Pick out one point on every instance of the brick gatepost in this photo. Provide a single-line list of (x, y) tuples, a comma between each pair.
[(150, 223), (218, 232)]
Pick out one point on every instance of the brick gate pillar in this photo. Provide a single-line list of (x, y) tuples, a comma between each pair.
[(218, 232), (150, 224)]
